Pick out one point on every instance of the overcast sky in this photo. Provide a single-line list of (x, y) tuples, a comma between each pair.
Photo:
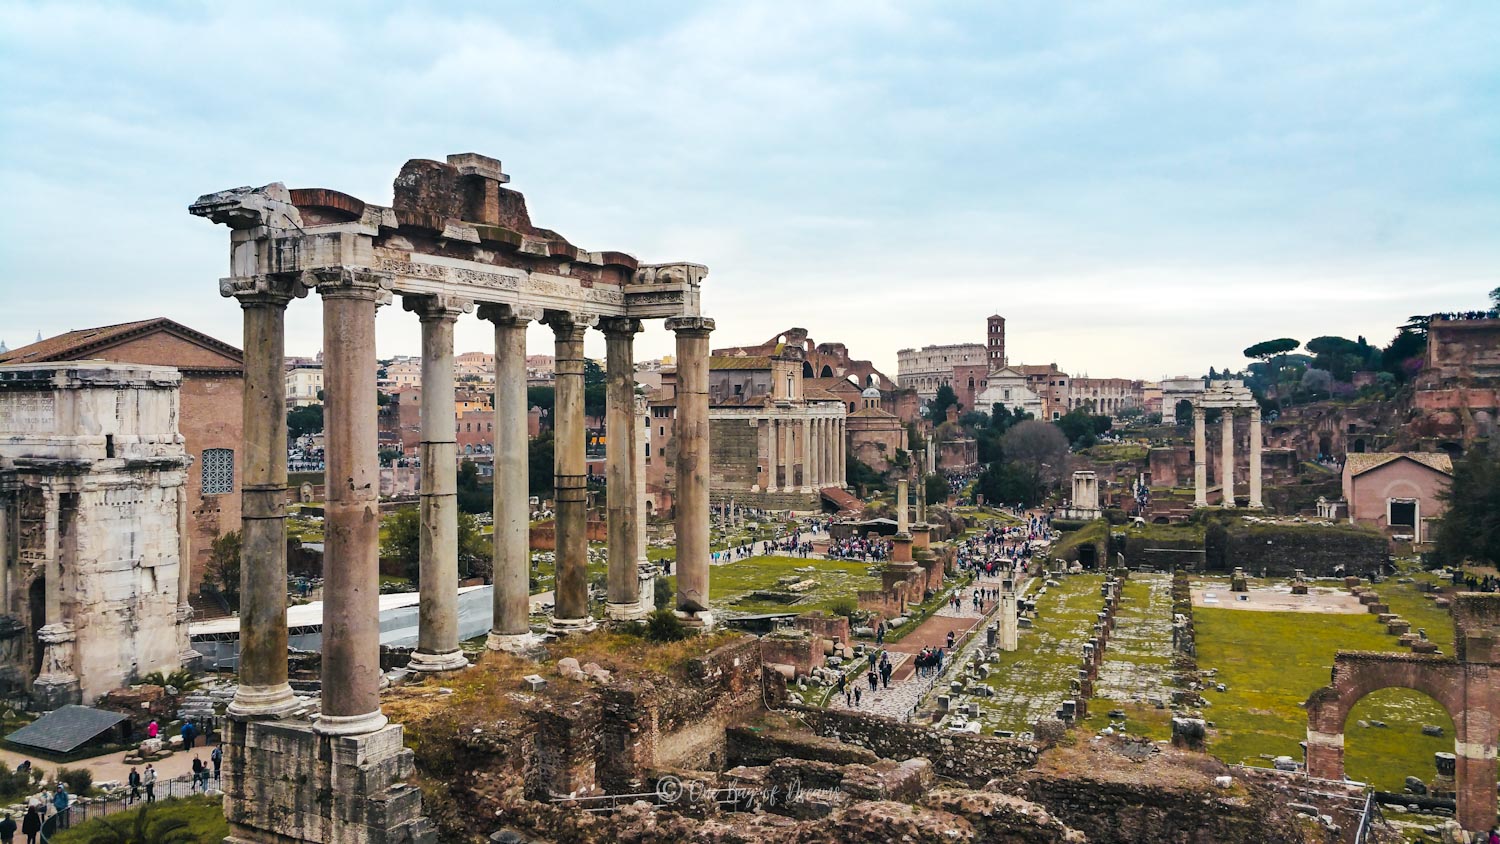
[(1142, 188)]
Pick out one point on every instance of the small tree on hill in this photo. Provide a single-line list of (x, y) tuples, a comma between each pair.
[(1470, 528), (937, 409)]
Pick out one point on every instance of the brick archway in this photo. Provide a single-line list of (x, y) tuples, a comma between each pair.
[(1463, 688)]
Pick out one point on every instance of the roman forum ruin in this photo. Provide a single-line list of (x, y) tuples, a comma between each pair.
[(453, 239), (1227, 397)]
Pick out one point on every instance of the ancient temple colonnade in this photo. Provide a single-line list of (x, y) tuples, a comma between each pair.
[(455, 238), (1228, 397)]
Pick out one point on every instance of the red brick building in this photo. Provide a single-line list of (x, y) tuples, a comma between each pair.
[(208, 419)]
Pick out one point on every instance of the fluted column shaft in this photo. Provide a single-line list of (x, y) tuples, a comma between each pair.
[(437, 623), (806, 453), (351, 573), (511, 603), (619, 473), (1227, 476), (691, 427), (1255, 468), (569, 479), (263, 690), (1200, 459)]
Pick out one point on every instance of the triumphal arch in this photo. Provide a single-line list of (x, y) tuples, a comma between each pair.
[(454, 240)]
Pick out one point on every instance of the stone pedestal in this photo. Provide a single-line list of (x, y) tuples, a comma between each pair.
[(1008, 634), (58, 684), (921, 536), (285, 783), (901, 548)]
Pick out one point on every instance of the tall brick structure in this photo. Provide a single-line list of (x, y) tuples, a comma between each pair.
[(1467, 686)]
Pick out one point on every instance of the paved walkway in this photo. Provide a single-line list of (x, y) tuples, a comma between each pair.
[(112, 767)]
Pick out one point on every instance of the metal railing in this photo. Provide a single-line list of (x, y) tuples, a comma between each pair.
[(1366, 818), (86, 809)]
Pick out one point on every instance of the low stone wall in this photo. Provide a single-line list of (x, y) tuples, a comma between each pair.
[(1279, 550), (967, 757), (758, 746)]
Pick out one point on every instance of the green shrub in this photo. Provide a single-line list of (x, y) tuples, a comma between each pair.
[(80, 781), (665, 626), (663, 598), (181, 679), (845, 607)]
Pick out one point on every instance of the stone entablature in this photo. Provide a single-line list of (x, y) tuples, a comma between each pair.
[(93, 488)]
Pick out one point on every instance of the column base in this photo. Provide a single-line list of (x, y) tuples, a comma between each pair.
[(1256, 505), (263, 702), (571, 626), (520, 644), (432, 663), (701, 620), (349, 725), (625, 612)]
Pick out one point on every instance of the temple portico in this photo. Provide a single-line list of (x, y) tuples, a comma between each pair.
[(1228, 397), (454, 238)]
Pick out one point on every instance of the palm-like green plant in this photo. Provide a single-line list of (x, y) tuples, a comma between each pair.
[(143, 829)]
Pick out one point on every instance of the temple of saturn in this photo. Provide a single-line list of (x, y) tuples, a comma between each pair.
[(454, 238), (1229, 397)]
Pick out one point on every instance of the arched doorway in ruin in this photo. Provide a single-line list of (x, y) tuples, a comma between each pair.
[(827, 371), (1384, 741), (1358, 447), (807, 370), (1358, 675), (1325, 445)]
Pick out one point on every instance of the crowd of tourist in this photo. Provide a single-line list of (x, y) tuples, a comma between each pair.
[(855, 548)]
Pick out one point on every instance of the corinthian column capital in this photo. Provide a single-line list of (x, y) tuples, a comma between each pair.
[(501, 314)]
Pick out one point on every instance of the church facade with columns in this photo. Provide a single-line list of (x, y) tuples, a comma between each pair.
[(455, 241)]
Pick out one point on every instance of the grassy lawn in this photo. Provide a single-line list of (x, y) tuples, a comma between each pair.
[(1031, 681), (731, 584), (204, 817), (1271, 661)]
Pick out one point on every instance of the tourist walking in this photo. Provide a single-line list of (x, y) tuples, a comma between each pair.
[(197, 772), (153, 729), (218, 759), (31, 824), (7, 829), (60, 802), (189, 734), (856, 696), (149, 778), (134, 781)]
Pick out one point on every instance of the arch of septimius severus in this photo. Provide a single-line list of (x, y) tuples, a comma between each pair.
[(454, 238)]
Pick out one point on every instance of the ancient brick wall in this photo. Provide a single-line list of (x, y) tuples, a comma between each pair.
[(734, 454), (834, 628), (967, 757)]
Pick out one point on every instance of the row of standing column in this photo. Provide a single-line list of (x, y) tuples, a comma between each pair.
[(1226, 460), (820, 445), (351, 636)]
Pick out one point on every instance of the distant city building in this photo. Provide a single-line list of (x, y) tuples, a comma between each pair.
[(304, 383), (930, 367)]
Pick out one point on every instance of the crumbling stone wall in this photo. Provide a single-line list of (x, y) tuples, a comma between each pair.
[(966, 757)]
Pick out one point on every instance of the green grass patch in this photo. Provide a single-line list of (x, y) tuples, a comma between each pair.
[(1271, 661), (204, 817), (732, 584)]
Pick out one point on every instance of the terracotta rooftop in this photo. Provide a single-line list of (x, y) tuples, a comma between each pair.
[(746, 362), (1356, 464), (79, 344)]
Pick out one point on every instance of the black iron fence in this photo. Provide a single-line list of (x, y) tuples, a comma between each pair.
[(86, 809)]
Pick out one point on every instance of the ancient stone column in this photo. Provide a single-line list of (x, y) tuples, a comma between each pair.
[(1200, 459), (570, 480), (4, 552), (510, 627), (186, 656), (814, 454), (771, 465), (437, 624), (843, 453), (619, 473), (807, 454), (263, 691), (1227, 476), (1255, 478), (903, 507), (691, 430), (647, 572), (351, 573)]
